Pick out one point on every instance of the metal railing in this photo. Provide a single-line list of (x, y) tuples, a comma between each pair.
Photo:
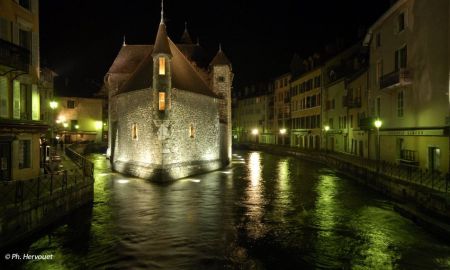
[(400, 76), (14, 56), (85, 165), (32, 191)]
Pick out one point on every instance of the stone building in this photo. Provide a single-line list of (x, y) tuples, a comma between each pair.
[(21, 125), (169, 109), (409, 85)]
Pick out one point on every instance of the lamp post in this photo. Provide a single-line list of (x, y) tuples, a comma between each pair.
[(282, 133), (326, 128), (378, 123), (53, 105), (255, 134)]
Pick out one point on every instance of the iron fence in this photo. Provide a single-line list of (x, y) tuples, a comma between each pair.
[(32, 191), (85, 165)]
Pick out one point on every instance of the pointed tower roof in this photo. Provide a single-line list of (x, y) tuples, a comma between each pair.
[(185, 38), (162, 42), (220, 59)]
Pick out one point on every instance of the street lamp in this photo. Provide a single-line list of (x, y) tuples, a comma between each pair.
[(326, 128), (53, 105), (378, 123), (255, 133), (282, 133)]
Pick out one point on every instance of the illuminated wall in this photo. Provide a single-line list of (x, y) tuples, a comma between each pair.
[(165, 150)]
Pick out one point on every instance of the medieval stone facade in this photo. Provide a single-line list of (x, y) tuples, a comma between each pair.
[(169, 109)]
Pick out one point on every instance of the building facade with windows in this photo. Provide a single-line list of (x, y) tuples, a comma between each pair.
[(341, 99), (306, 109), (281, 98), (79, 119), (252, 114), (409, 67), (21, 111), (169, 109)]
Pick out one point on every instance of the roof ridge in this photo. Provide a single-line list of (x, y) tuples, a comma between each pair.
[(191, 66), (138, 68)]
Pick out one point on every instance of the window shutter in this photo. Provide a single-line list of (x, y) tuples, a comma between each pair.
[(4, 104), (35, 103), (16, 99), (34, 49)]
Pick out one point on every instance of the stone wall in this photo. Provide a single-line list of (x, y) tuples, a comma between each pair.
[(141, 155), (187, 143)]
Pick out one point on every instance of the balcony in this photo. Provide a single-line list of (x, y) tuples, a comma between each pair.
[(14, 56), (352, 102), (366, 123), (396, 78)]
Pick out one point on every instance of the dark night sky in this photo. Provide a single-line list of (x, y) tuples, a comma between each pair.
[(80, 38)]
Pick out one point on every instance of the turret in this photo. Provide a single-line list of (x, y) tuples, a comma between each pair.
[(221, 83), (162, 82), (185, 38)]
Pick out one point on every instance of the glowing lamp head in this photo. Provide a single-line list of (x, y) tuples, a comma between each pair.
[(57, 137), (378, 123), (98, 124), (65, 125), (282, 131), (77, 126), (255, 131), (53, 104), (326, 128)]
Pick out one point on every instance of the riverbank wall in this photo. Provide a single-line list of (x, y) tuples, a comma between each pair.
[(29, 206)]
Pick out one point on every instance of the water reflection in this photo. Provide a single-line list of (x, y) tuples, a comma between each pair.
[(264, 212)]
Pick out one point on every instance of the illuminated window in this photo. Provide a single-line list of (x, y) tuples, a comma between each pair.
[(162, 101), (134, 132), (162, 66), (191, 131)]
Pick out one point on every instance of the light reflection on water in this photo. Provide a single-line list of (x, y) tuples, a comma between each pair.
[(264, 212)]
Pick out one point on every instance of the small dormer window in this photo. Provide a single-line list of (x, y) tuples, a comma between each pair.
[(162, 101), (162, 66)]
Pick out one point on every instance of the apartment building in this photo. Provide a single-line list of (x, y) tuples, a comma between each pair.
[(252, 115), (306, 106), (281, 124), (21, 123), (409, 69)]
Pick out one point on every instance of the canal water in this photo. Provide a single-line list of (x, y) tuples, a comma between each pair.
[(263, 212)]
